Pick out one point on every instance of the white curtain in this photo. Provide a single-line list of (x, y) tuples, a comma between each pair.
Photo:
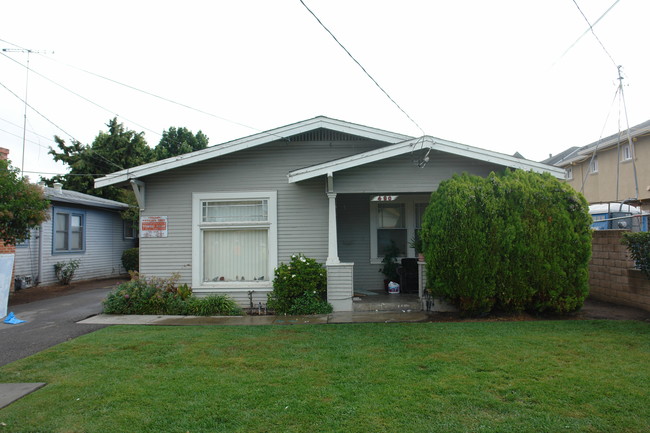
[(235, 255)]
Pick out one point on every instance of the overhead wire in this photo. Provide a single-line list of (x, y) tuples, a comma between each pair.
[(591, 28), (57, 126), (163, 98), (362, 68), (31, 69)]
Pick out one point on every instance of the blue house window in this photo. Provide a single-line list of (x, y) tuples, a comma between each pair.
[(69, 231)]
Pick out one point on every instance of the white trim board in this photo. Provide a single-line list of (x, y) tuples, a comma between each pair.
[(416, 143), (248, 142)]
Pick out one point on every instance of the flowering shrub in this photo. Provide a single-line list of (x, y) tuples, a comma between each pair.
[(64, 271), (153, 295), (300, 287)]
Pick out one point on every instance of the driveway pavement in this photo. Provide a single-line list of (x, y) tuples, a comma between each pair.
[(48, 323)]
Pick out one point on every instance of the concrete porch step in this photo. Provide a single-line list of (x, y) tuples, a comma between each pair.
[(394, 303)]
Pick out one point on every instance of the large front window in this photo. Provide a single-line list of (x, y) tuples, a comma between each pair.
[(235, 236)]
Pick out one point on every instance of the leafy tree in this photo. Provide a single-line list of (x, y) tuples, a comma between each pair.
[(117, 149), (22, 205), (177, 141)]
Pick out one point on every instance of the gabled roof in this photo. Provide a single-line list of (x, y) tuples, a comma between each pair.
[(582, 153), (560, 157), (282, 133), (432, 143), (78, 198)]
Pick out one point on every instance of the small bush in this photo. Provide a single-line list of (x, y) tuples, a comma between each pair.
[(299, 287), (64, 271), (638, 245), (154, 295), (131, 259)]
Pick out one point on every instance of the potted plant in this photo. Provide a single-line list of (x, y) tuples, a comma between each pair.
[(390, 265), (417, 244)]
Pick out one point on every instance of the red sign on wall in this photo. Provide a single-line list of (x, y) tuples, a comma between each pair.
[(153, 227)]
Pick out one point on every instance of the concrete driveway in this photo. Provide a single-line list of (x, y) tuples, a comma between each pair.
[(48, 323)]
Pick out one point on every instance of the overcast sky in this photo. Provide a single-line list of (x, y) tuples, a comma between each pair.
[(488, 74)]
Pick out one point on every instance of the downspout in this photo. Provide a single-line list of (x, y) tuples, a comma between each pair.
[(39, 265)]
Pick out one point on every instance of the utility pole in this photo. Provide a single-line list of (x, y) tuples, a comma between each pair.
[(28, 52)]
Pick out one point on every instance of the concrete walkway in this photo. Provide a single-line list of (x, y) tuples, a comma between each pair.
[(342, 317)]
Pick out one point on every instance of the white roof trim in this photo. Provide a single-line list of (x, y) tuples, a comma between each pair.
[(248, 142), (433, 143)]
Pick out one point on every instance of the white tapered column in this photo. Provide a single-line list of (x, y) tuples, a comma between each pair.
[(333, 247)]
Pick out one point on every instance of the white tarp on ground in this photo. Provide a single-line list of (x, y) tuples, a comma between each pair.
[(6, 269)]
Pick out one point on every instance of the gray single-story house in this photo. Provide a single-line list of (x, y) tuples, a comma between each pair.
[(224, 217), (80, 227)]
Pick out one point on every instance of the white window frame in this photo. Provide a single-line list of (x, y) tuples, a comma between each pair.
[(593, 164), (198, 226), (409, 201), (626, 152)]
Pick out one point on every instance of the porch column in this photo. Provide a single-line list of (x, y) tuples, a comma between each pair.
[(333, 248)]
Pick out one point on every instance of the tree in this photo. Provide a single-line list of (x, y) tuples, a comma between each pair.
[(22, 205), (177, 141), (111, 151)]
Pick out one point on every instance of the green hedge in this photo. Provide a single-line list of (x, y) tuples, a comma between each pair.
[(131, 259), (510, 242)]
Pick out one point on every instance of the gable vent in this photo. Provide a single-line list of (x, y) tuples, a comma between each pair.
[(323, 134)]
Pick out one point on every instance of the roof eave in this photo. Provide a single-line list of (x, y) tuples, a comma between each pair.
[(407, 146), (248, 142)]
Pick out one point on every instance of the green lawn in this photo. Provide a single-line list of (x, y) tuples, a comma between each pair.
[(537, 376)]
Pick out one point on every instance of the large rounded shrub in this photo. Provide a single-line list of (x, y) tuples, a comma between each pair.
[(511, 242)]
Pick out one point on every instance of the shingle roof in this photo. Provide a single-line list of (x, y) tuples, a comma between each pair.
[(74, 197)]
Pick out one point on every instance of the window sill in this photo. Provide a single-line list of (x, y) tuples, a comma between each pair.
[(235, 285)]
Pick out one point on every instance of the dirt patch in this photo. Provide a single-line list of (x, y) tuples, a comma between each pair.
[(38, 293)]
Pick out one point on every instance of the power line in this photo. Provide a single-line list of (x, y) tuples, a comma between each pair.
[(586, 31), (58, 127), (594, 33), (82, 97), (162, 98), (362, 68), (38, 112)]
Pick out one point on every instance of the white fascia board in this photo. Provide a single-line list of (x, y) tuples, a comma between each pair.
[(407, 146), (246, 143)]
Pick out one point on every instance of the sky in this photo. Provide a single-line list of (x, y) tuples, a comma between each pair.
[(495, 75)]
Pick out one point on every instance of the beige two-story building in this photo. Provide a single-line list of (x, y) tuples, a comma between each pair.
[(613, 169)]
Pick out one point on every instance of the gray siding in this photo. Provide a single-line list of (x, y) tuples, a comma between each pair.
[(302, 207), (102, 257), (340, 286), (401, 174)]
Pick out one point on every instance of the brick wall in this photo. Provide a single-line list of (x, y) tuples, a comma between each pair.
[(612, 277)]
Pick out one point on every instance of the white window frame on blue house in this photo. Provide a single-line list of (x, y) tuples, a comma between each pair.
[(68, 230)]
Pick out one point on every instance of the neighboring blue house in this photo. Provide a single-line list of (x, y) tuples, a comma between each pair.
[(80, 226)]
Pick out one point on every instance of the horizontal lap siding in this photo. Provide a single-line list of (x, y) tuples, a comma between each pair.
[(102, 257), (302, 207)]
